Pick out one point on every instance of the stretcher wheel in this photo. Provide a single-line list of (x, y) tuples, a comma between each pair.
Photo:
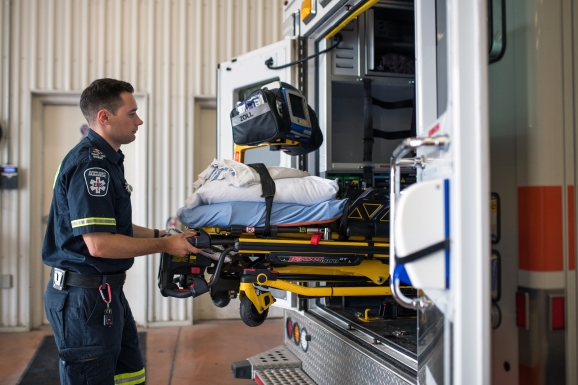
[(220, 298), (249, 313), (221, 302)]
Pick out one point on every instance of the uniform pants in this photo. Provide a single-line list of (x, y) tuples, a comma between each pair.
[(91, 353)]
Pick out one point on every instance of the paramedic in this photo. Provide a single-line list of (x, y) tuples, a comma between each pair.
[(91, 241)]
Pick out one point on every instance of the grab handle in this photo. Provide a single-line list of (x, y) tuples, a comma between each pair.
[(410, 144)]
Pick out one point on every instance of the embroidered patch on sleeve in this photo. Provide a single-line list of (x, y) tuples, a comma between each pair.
[(97, 180), (95, 153)]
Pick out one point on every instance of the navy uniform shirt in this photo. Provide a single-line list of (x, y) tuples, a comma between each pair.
[(90, 195)]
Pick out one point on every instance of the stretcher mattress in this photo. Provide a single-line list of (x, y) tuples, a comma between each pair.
[(308, 191), (253, 214)]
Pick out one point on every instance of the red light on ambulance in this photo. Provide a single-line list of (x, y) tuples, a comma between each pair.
[(523, 310), (557, 317), (289, 328)]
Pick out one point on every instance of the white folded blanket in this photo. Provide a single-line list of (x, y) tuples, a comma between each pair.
[(239, 174), (307, 191)]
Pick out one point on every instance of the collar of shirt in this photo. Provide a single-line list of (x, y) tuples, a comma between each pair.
[(102, 145)]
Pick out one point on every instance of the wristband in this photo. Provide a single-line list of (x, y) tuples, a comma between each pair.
[(157, 232)]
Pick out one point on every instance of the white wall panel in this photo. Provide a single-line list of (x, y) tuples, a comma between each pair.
[(168, 50)]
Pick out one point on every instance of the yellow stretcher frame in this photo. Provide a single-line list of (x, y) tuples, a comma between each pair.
[(375, 270)]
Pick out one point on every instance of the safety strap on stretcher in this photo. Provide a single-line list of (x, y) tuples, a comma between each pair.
[(268, 187)]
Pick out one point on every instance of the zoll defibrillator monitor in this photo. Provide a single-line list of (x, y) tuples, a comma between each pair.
[(298, 112)]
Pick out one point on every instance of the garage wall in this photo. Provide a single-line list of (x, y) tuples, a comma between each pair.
[(168, 50)]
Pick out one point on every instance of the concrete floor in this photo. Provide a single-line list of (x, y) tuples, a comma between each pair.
[(198, 354)]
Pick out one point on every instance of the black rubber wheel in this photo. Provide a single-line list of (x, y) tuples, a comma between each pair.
[(220, 298), (221, 302), (249, 313)]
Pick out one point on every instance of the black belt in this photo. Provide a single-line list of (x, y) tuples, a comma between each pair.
[(62, 278)]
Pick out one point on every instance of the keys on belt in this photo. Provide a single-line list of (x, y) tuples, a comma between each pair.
[(108, 310)]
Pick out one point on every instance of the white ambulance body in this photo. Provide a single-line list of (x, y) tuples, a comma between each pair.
[(493, 153)]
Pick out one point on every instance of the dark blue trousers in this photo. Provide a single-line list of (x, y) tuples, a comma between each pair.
[(91, 353)]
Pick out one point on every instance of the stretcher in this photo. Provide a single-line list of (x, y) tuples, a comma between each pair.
[(345, 255), (342, 254)]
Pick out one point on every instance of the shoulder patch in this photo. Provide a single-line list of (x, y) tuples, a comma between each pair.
[(95, 153), (97, 180)]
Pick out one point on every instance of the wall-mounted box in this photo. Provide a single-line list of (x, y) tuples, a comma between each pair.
[(8, 177)]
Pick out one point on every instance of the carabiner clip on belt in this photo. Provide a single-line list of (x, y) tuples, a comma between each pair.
[(102, 294), (108, 310)]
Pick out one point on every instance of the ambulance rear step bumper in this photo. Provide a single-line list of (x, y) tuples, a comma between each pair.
[(275, 366), (331, 356), (282, 377)]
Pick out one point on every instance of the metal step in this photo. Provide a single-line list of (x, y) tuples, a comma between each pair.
[(275, 366), (289, 376), (276, 358)]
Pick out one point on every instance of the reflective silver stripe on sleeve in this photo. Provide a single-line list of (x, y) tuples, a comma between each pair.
[(93, 221)]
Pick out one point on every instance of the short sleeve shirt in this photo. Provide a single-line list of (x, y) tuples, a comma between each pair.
[(90, 195)]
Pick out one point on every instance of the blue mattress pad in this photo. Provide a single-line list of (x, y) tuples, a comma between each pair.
[(253, 214)]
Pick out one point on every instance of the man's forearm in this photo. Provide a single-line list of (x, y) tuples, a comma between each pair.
[(108, 245), (143, 232)]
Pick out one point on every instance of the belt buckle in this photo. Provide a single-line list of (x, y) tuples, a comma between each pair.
[(59, 279)]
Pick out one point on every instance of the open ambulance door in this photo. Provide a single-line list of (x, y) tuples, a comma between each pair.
[(240, 76), (440, 231)]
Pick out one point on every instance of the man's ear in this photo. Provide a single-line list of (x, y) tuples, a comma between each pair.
[(102, 117)]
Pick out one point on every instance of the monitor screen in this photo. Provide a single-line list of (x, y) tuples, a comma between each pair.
[(296, 106)]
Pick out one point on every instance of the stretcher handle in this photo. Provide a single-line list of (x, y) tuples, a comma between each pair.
[(204, 240), (441, 142), (213, 242)]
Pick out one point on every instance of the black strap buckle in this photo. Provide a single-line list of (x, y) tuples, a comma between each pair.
[(58, 278)]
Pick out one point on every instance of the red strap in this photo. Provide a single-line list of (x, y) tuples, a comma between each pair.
[(316, 238)]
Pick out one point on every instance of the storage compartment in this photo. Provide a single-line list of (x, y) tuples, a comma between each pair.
[(392, 33), (390, 41), (345, 141), (377, 46)]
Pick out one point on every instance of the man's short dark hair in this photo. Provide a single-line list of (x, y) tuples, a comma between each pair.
[(103, 94)]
